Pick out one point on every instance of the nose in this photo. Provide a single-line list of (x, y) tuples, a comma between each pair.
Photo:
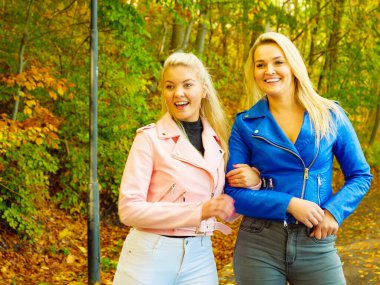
[(269, 69), (178, 92)]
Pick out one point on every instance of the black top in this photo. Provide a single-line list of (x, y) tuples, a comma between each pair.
[(194, 133)]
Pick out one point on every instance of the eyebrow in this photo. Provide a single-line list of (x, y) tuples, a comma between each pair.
[(186, 80), (274, 58)]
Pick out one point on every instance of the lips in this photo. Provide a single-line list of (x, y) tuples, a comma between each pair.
[(181, 105), (272, 80)]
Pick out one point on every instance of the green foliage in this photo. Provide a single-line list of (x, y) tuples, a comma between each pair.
[(26, 163), (45, 155), (373, 154), (107, 263)]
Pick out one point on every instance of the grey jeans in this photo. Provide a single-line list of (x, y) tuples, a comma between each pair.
[(269, 253)]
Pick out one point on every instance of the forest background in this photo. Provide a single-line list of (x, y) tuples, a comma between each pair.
[(44, 92)]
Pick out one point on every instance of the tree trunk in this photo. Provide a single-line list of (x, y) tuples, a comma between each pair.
[(375, 128), (332, 47), (202, 28), (178, 34), (314, 31), (186, 39), (21, 61)]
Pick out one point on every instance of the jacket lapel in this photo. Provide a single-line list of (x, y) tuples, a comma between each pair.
[(183, 149), (266, 126)]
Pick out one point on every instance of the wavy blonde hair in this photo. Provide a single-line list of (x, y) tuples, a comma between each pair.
[(320, 109), (211, 109)]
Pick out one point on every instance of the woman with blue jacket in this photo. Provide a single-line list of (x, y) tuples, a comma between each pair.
[(291, 135)]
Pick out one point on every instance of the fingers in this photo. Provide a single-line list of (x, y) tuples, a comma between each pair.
[(243, 176), (329, 226), (240, 165), (307, 212), (221, 206)]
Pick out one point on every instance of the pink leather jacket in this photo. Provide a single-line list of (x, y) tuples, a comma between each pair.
[(166, 180)]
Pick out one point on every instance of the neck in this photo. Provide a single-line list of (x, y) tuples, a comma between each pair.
[(279, 105)]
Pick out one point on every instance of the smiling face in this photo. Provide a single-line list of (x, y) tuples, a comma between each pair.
[(183, 93), (272, 72)]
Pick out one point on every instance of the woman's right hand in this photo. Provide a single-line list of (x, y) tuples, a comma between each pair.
[(244, 176), (221, 206), (307, 212)]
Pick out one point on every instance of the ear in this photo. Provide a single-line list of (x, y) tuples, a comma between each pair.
[(204, 93)]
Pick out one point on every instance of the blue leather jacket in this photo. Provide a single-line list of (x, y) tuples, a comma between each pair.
[(300, 170)]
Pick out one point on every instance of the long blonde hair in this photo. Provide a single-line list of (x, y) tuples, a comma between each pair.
[(319, 108), (211, 109)]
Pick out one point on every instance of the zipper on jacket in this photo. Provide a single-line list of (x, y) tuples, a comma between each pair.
[(319, 188), (264, 183), (201, 167), (271, 187), (170, 190), (306, 169)]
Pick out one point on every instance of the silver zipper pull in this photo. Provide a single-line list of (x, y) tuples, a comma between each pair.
[(264, 182), (285, 224), (271, 183), (172, 188), (319, 180)]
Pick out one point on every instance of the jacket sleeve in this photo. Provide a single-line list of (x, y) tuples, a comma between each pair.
[(355, 168), (259, 204), (134, 209)]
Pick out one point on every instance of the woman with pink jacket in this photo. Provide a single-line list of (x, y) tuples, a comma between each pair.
[(172, 187)]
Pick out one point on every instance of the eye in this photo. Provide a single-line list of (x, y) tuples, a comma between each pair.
[(259, 65), (279, 62), (188, 85), (169, 87)]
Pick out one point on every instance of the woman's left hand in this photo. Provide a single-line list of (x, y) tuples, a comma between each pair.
[(328, 226)]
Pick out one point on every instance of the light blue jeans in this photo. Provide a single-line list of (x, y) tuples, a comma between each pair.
[(151, 259), (269, 253)]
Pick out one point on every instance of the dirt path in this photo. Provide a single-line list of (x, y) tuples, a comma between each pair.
[(59, 256), (358, 243)]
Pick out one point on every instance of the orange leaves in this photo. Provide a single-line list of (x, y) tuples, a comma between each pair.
[(38, 78), (42, 129)]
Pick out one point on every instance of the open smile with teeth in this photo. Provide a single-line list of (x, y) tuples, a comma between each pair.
[(181, 104), (272, 80)]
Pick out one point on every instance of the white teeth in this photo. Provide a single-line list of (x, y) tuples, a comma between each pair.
[(272, 80), (181, 103)]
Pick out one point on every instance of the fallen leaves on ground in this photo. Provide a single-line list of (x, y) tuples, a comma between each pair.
[(59, 256)]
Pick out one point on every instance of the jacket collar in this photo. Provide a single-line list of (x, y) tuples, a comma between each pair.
[(184, 150), (269, 129), (260, 109)]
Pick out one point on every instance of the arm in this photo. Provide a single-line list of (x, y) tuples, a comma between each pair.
[(135, 210), (244, 176), (260, 204), (356, 172)]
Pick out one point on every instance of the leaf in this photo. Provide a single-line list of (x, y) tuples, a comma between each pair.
[(64, 233), (70, 259), (53, 95), (39, 141)]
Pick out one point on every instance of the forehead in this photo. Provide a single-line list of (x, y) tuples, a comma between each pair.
[(180, 72), (268, 51)]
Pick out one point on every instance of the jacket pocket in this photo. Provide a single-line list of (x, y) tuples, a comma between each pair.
[(173, 194)]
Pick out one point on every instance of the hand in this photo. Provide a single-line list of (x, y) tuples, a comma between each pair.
[(307, 212), (221, 206), (243, 176), (328, 226)]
